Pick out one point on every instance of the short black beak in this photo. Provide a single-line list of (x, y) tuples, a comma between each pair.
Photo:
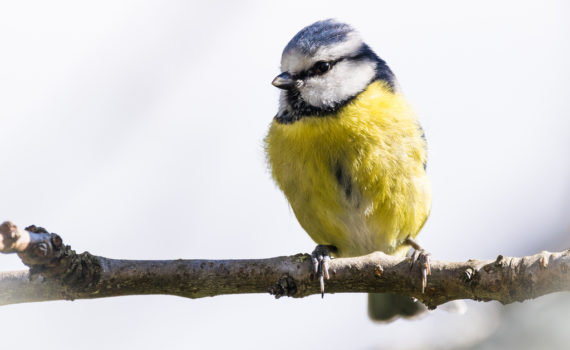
[(284, 81)]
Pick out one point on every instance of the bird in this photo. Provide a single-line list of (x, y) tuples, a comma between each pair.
[(348, 152)]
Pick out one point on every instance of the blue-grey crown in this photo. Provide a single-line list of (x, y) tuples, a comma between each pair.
[(317, 35)]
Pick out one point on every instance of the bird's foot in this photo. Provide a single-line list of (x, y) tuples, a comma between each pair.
[(321, 258), (423, 257)]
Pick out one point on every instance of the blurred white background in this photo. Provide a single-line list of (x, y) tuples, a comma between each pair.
[(134, 129)]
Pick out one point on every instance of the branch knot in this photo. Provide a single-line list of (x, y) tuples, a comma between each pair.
[(47, 256), (285, 286)]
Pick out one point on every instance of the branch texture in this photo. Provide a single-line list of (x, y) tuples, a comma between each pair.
[(58, 273)]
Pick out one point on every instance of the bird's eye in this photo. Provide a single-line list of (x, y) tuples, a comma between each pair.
[(321, 67)]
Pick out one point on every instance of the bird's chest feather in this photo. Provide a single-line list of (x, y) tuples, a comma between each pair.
[(351, 178)]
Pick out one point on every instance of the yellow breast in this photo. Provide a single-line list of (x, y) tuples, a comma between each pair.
[(355, 179)]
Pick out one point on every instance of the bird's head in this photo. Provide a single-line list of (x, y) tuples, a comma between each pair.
[(324, 67)]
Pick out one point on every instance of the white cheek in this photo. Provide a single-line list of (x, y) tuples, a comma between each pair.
[(346, 79)]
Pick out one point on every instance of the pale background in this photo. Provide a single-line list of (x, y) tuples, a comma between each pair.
[(134, 129)]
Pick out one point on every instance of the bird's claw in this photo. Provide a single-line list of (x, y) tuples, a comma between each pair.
[(424, 258), (321, 260), (326, 263)]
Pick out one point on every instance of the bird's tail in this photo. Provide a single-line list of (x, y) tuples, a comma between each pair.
[(388, 307)]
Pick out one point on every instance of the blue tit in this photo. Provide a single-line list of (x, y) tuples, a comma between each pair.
[(347, 151)]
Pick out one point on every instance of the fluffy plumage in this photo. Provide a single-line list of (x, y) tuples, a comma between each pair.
[(346, 149), (355, 179)]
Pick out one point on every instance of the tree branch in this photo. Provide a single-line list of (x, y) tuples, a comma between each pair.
[(58, 273)]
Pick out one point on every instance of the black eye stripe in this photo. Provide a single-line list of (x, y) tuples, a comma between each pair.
[(311, 71)]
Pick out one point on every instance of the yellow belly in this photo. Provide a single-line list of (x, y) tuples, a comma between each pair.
[(356, 179)]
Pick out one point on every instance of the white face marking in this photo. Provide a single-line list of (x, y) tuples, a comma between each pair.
[(351, 43), (295, 62), (346, 78)]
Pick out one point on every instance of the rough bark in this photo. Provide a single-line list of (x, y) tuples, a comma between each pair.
[(58, 273)]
